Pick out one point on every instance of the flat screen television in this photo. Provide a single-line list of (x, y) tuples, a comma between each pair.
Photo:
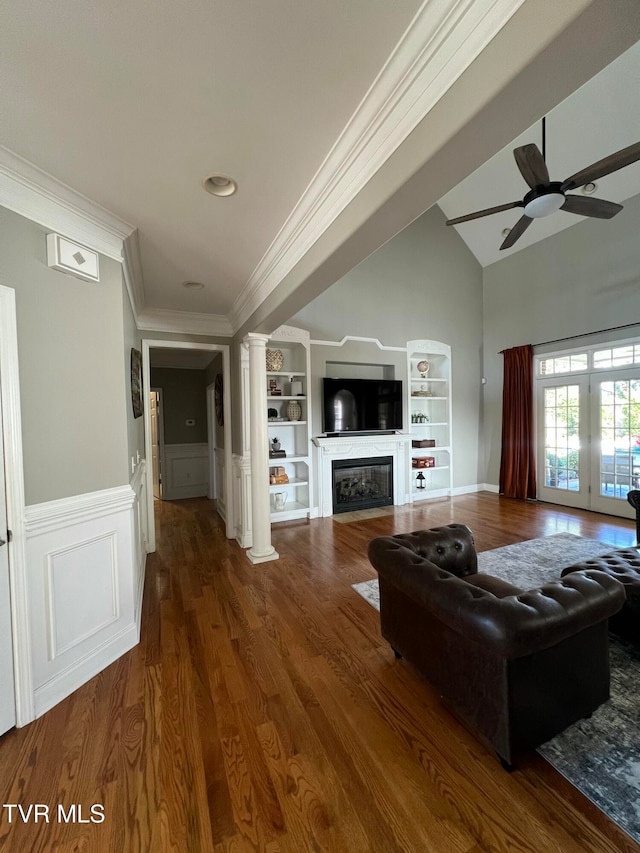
[(361, 405)]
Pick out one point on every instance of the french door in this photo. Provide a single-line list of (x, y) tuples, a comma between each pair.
[(588, 431)]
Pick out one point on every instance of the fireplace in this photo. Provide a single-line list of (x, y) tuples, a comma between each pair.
[(362, 483)]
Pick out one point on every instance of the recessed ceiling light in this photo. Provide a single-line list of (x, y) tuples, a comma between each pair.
[(505, 232), (193, 285), (220, 185), (589, 189)]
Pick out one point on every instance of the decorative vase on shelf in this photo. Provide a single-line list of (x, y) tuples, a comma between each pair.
[(294, 410), (275, 359)]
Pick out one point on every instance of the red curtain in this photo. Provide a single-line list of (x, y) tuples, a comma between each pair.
[(517, 463)]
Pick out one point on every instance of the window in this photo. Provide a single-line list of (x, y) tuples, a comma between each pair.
[(573, 363), (616, 357)]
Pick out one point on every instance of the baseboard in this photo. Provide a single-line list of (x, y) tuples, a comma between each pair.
[(70, 679), (476, 487)]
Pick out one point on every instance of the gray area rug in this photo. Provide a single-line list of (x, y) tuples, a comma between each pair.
[(600, 756)]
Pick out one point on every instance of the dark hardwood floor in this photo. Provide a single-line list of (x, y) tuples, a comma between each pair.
[(263, 711)]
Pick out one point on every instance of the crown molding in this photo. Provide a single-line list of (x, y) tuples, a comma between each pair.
[(38, 196), (184, 322), (132, 272), (441, 42)]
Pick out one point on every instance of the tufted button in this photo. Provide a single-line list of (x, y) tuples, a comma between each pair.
[(440, 549), (458, 546)]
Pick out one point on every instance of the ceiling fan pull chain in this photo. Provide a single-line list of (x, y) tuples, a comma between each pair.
[(544, 138)]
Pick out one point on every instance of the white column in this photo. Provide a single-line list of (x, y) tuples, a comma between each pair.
[(262, 549)]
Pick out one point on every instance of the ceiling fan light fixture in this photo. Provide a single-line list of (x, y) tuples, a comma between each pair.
[(544, 204), (220, 185)]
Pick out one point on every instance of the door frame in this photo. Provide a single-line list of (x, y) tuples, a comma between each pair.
[(147, 345), (14, 486), (585, 370)]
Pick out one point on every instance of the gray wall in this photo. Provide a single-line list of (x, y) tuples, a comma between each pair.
[(183, 398), (584, 279), (72, 381), (424, 283)]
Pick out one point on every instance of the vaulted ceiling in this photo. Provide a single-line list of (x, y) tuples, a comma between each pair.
[(601, 117), (341, 121)]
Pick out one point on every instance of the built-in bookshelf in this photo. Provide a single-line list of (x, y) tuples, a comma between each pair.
[(429, 404), (288, 420)]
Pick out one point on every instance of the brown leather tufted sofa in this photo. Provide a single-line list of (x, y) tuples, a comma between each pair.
[(624, 566), (516, 666)]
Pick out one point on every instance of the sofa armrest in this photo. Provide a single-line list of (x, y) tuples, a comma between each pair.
[(513, 626)]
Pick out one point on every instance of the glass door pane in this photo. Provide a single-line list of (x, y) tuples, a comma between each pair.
[(617, 453), (563, 458)]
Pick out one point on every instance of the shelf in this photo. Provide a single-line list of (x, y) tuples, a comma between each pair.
[(419, 452), (294, 481), (292, 509), (285, 423), (280, 460), (429, 379), (427, 424), (286, 397), (286, 373)]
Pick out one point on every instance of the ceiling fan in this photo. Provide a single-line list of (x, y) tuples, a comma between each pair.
[(547, 196)]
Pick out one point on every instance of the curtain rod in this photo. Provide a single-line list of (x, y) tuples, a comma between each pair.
[(587, 334)]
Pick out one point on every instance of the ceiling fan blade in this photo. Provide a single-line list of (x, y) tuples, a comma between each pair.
[(603, 167), (596, 207), (487, 212), (516, 232), (531, 164)]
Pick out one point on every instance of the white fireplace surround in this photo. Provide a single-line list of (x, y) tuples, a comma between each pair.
[(357, 447)]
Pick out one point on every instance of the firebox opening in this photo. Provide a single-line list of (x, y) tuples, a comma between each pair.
[(362, 483)]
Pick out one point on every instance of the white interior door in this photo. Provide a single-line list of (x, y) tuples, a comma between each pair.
[(156, 455), (7, 687)]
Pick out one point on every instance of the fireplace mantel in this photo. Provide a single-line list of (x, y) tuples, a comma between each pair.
[(356, 447)]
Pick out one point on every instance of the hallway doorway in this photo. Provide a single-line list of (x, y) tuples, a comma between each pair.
[(192, 450)]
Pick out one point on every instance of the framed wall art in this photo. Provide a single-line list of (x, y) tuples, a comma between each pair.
[(136, 383)]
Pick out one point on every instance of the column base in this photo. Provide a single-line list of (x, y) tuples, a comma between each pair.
[(262, 558)]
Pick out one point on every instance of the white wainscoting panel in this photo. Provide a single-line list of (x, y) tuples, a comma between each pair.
[(84, 576), (186, 471), (85, 572), (242, 499)]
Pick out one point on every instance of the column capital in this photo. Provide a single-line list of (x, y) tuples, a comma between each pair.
[(255, 338)]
